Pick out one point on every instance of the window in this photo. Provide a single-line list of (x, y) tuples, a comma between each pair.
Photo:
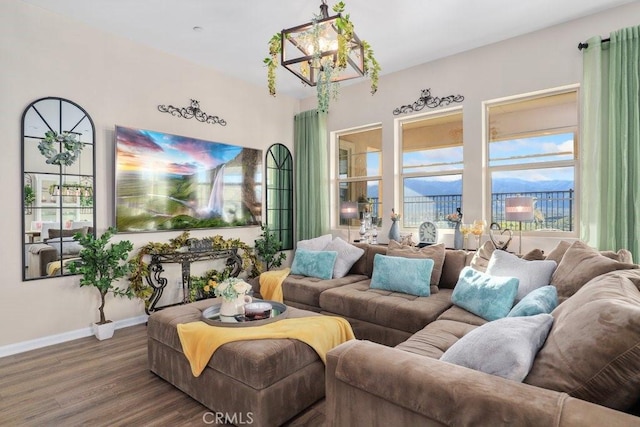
[(280, 194), (532, 152), (432, 165), (360, 173)]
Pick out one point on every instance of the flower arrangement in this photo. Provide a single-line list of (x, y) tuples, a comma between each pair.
[(456, 216), (229, 289), (395, 216)]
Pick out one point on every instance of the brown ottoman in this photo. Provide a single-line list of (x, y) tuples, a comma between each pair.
[(258, 382)]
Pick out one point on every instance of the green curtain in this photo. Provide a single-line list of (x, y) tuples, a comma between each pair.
[(311, 175), (610, 158)]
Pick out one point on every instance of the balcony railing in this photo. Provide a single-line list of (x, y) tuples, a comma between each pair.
[(554, 210)]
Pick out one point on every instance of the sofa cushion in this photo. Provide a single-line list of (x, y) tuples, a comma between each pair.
[(434, 252), (65, 245), (541, 300), (394, 310), (593, 349), (531, 274), (305, 291), (505, 347), (314, 263), (454, 262), (490, 297), (57, 232), (436, 338), (315, 244), (558, 252), (580, 264), (482, 256), (561, 248), (407, 275), (347, 256)]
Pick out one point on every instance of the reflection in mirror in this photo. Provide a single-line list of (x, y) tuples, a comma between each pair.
[(58, 168), (280, 194)]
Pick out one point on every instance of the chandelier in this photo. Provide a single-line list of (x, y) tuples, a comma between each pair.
[(322, 53), (82, 189)]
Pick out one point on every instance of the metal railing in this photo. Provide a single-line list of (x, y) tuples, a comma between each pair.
[(554, 210)]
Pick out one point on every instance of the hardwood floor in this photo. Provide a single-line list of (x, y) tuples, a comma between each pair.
[(100, 383)]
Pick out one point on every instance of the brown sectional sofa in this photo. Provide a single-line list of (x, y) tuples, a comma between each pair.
[(391, 375)]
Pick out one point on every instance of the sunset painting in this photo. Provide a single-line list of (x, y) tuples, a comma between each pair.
[(167, 182)]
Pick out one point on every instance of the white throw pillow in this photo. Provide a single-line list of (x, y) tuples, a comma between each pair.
[(315, 244), (505, 347), (532, 274), (347, 256)]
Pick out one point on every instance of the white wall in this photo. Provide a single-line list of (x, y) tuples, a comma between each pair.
[(117, 82), (529, 63)]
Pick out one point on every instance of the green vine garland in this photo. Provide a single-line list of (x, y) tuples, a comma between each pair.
[(140, 268), (68, 155)]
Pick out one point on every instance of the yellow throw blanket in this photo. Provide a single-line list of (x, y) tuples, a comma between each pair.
[(200, 340), (271, 284)]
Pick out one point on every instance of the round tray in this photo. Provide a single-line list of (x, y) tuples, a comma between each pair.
[(212, 316)]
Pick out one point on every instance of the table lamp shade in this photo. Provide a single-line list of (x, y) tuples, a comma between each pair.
[(518, 208), (348, 210)]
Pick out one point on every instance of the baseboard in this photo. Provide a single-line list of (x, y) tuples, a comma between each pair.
[(21, 347)]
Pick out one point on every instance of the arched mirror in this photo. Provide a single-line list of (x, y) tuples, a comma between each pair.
[(58, 170), (280, 194)]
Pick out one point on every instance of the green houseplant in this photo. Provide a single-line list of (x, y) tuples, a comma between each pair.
[(268, 250), (101, 264)]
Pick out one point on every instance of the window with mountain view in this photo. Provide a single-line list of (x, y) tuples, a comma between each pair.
[(360, 173), (432, 164), (532, 151)]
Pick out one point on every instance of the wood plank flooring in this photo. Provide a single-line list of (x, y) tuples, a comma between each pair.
[(88, 382)]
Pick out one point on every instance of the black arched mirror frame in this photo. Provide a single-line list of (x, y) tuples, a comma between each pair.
[(58, 184), (279, 166)]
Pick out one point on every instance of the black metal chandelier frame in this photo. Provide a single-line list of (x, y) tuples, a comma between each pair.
[(295, 64)]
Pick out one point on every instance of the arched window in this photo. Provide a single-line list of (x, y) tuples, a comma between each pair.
[(279, 196)]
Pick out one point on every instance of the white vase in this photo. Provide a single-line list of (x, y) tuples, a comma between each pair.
[(104, 331), (233, 307)]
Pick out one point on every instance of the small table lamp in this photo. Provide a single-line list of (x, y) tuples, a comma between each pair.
[(349, 211), (519, 209)]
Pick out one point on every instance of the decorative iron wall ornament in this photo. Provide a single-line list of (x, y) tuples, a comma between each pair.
[(426, 100), (192, 111)]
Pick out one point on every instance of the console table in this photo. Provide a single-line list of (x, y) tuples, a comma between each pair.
[(185, 258)]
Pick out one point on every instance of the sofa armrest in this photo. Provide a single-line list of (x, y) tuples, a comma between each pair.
[(40, 255), (370, 384)]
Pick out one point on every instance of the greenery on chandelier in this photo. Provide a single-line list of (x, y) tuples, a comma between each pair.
[(326, 88), (70, 148)]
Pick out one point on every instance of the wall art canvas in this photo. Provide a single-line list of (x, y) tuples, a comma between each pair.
[(169, 182)]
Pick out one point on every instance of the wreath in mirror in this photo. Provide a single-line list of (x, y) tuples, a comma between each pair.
[(70, 148)]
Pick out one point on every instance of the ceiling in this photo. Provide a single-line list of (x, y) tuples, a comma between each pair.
[(233, 34)]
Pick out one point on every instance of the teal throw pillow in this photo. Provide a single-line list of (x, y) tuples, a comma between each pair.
[(314, 263), (398, 274), (542, 300), (490, 297)]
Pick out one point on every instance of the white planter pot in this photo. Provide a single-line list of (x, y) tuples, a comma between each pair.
[(104, 332)]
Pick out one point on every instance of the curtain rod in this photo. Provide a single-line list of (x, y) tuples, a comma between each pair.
[(586, 45)]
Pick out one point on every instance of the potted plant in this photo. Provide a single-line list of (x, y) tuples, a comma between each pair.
[(101, 264), (268, 250)]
